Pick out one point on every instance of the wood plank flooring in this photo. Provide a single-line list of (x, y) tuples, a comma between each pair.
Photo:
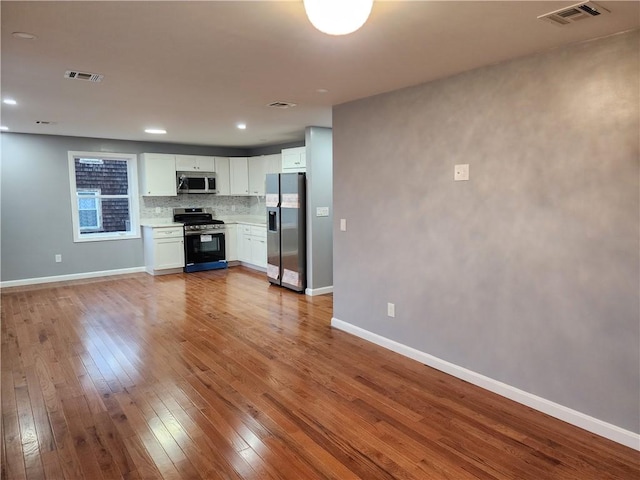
[(217, 375)]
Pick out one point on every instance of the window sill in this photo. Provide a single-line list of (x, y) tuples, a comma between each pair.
[(105, 237)]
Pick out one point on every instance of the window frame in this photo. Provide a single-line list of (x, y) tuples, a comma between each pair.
[(134, 209)]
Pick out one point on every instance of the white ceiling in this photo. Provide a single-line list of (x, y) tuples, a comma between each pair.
[(196, 68)]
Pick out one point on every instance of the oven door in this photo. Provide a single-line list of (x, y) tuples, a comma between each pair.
[(204, 251)]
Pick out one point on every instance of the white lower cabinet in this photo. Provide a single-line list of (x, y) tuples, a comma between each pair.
[(252, 245), (231, 242), (163, 249)]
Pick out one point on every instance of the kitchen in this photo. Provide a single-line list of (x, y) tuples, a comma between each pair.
[(237, 198)]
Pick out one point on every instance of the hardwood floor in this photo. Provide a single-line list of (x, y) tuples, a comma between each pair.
[(217, 375)]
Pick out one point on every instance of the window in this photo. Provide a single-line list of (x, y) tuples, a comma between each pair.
[(104, 196), (89, 211)]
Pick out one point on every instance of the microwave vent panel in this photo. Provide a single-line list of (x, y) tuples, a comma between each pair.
[(84, 76), (574, 13)]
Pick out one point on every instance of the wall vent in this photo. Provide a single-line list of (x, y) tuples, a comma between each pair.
[(85, 76), (574, 13), (282, 105)]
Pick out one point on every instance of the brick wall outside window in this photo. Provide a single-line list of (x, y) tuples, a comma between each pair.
[(110, 178)]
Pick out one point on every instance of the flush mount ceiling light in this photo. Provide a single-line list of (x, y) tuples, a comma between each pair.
[(338, 17), (3, 128), (156, 131), (242, 126), (9, 101)]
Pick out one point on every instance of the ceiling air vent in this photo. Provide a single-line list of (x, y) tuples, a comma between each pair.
[(87, 77), (574, 13), (282, 105)]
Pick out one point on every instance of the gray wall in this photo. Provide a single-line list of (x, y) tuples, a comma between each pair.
[(36, 206), (529, 272), (319, 151), (271, 149)]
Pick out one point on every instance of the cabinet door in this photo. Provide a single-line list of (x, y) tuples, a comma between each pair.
[(257, 172), (168, 253), (206, 164), (231, 242), (222, 176), (195, 163), (158, 175), (244, 243), (294, 159), (239, 176), (259, 251), (186, 163), (274, 163)]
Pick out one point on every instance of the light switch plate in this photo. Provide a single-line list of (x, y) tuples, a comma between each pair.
[(322, 211), (461, 172), (343, 224)]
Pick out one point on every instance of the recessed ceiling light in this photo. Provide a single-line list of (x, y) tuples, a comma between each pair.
[(156, 131), (3, 128), (322, 90), (24, 35), (9, 101), (242, 126)]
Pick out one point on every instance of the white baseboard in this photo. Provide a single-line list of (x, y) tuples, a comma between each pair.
[(561, 412), (66, 278), (318, 291)]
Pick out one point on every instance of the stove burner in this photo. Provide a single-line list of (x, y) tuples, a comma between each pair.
[(198, 218)]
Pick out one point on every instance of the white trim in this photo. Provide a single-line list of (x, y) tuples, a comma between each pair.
[(591, 424), (318, 291), (73, 276)]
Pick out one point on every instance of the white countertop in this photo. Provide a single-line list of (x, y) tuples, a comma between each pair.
[(159, 222), (245, 219), (168, 222)]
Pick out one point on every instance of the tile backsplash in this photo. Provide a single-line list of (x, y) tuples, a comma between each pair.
[(162, 207)]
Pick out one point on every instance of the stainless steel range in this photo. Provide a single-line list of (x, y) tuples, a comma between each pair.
[(204, 244)]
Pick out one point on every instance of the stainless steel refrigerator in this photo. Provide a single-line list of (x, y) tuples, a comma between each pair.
[(286, 230)]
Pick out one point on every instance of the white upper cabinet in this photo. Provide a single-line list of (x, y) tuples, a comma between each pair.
[(239, 175), (294, 159), (195, 163), (223, 184), (257, 173), (158, 175), (274, 163)]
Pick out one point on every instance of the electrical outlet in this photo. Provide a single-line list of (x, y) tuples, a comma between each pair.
[(461, 172), (58, 258), (391, 309), (343, 224), (158, 209), (233, 208)]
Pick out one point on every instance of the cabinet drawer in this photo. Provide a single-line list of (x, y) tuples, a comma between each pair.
[(169, 232), (259, 232)]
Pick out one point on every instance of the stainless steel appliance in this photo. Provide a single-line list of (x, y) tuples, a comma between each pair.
[(190, 182), (204, 244), (286, 230)]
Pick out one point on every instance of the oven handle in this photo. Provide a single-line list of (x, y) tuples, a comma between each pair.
[(203, 232)]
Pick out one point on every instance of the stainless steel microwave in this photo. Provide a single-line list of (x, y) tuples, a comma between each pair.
[(190, 182)]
